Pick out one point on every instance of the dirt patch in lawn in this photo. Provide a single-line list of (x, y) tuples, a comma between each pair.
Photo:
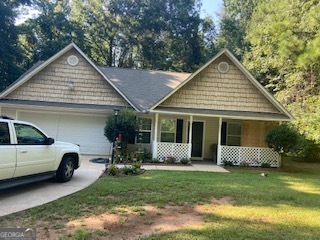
[(135, 222)]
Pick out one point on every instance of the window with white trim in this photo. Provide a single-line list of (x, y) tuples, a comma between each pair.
[(168, 130), (234, 134), (144, 130)]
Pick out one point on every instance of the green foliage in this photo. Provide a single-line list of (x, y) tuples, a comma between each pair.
[(112, 170), (82, 234), (282, 138), (126, 126), (128, 170), (185, 161), (244, 164), (52, 30), (285, 56), (306, 150), (169, 160), (164, 34), (137, 164), (155, 160), (235, 18), (11, 57), (227, 163), (265, 165)]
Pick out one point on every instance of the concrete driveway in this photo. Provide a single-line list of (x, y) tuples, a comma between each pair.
[(28, 196)]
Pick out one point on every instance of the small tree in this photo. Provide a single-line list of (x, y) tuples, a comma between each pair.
[(126, 125), (282, 139)]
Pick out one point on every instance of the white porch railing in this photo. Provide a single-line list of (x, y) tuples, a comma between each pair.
[(254, 156), (177, 150)]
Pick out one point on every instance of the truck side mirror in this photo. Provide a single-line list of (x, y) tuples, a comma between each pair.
[(49, 141)]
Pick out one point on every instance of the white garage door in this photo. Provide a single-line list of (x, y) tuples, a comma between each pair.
[(87, 131)]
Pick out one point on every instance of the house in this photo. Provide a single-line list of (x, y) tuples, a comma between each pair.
[(219, 112)]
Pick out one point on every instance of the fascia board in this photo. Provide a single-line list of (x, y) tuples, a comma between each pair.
[(220, 115)]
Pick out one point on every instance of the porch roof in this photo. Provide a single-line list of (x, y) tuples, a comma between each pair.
[(224, 113)]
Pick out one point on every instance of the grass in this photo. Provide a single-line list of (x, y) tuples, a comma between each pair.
[(284, 205)]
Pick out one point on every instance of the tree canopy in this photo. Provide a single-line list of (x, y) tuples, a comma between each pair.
[(11, 58), (277, 40)]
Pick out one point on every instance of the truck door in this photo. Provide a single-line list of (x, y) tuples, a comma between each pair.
[(8, 155), (34, 155)]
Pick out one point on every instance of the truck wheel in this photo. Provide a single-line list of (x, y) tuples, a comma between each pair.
[(66, 169)]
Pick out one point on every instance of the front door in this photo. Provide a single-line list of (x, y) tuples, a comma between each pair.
[(197, 139)]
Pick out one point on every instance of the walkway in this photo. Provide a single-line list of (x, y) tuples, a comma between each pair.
[(196, 166)]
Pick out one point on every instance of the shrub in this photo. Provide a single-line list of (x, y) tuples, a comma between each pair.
[(126, 125), (307, 150), (128, 170), (172, 160), (185, 161), (137, 164), (147, 155), (282, 139), (244, 164), (155, 160), (112, 170), (265, 165), (228, 163)]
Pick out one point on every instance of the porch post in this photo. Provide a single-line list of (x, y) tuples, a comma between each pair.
[(219, 142), (190, 136), (154, 145)]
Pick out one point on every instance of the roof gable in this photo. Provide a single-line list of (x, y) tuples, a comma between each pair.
[(48, 81), (236, 90)]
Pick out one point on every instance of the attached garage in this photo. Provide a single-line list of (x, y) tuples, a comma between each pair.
[(67, 99), (85, 130)]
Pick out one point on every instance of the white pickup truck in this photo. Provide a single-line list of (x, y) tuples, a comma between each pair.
[(27, 154)]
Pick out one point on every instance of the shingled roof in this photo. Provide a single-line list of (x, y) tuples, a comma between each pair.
[(144, 88)]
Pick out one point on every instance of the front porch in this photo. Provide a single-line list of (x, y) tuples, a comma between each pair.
[(254, 156), (217, 139)]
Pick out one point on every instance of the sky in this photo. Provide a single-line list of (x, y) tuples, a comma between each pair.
[(211, 7)]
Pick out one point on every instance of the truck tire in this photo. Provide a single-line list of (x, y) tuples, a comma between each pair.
[(66, 169)]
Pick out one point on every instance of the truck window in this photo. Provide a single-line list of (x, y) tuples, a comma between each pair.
[(4, 133), (29, 135)]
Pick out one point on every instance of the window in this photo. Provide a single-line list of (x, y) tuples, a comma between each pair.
[(144, 130), (168, 130), (4, 133), (29, 135), (234, 134)]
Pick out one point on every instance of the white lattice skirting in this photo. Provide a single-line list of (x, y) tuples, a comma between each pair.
[(252, 155), (177, 150)]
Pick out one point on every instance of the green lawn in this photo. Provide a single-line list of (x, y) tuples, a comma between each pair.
[(284, 205)]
